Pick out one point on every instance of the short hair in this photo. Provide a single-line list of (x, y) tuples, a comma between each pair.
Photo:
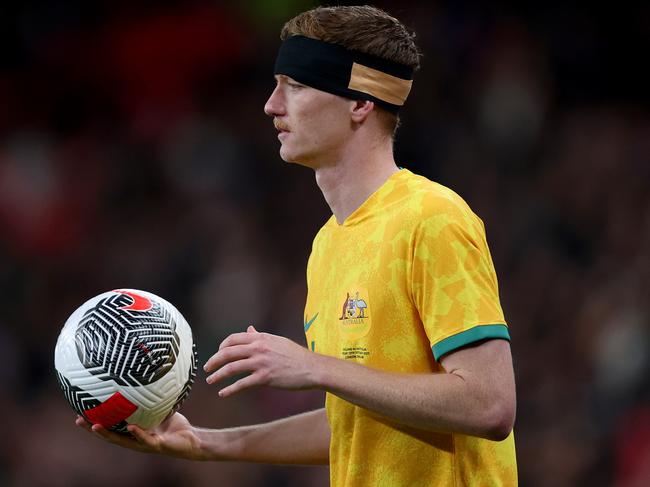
[(361, 28)]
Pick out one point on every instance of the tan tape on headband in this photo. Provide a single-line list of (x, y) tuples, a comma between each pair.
[(381, 85)]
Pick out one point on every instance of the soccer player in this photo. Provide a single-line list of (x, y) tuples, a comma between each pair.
[(404, 328)]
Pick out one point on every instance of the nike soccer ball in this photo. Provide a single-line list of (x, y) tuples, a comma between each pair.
[(125, 356)]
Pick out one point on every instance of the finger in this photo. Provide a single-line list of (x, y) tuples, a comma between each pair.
[(82, 423), (121, 440), (251, 329), (102, 432), (228, 354), (99, 430), (144, 437), (244, 383), (233, 368), (235, 339)]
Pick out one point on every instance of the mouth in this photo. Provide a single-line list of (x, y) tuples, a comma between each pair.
[(281, 127)]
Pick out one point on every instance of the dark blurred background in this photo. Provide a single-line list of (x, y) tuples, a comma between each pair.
[(134, 152)]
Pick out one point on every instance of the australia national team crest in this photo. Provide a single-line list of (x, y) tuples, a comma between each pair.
[(355, 315)]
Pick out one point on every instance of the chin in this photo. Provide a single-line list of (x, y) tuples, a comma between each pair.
[(287, 156), (296, 158)]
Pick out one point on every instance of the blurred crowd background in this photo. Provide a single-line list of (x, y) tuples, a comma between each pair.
[(134, 152)]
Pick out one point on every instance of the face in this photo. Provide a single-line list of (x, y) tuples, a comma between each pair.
[(313, 126)]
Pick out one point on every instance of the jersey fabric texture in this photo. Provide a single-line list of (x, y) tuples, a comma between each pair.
[(404, 280)]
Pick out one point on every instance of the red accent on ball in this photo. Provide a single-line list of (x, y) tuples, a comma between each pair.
[(140, 303), (112, 411)]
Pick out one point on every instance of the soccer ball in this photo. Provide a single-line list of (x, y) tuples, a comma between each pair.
[(125, 356)]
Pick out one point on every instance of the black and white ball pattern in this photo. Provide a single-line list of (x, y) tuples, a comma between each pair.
[(130, 347), (126, 356)]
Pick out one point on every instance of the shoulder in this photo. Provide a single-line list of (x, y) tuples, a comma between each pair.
[(436, 203)]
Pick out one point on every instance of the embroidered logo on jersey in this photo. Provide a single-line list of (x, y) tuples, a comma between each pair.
[(308, 323), (354, 316)]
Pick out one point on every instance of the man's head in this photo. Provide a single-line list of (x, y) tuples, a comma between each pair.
[(359, 28), (364, 29), (337, 63)]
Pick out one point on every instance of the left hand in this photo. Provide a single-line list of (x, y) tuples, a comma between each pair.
[(175, 437), (270, 359)]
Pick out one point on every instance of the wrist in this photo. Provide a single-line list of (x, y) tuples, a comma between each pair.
[(213, 445), (319, 374)]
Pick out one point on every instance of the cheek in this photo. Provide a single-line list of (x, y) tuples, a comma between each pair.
[(328, 126), (319, 123), (330, 133)]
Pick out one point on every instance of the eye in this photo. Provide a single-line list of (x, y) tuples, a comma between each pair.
[(295, 86)]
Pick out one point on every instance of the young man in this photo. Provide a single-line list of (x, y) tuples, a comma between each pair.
[(404, 327)]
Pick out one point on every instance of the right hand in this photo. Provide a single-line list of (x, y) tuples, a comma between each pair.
[(174, 437)]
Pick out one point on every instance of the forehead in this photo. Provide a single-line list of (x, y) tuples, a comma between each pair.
[(309, 93)]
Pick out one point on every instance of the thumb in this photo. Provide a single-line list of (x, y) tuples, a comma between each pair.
[(251, 329)]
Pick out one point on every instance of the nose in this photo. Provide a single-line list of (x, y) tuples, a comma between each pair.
[(274, 106)]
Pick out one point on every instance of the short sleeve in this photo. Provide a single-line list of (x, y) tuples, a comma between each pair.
[(453, 282)]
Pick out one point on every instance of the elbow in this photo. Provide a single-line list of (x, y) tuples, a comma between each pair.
[(499, 421), (498, 431)]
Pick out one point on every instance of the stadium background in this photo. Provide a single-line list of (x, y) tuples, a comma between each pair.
[(134, 153)]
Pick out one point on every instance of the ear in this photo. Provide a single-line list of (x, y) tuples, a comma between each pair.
[(360, 110)]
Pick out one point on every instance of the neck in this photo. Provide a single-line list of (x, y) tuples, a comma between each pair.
[(354, 177)]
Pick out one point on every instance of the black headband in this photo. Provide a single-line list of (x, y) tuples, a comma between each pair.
[(340, 71)]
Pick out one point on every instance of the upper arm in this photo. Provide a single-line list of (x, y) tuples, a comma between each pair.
[(487, 369), (490, 360), (454, 283)]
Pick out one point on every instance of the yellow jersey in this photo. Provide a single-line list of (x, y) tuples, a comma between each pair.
[(406, 279)]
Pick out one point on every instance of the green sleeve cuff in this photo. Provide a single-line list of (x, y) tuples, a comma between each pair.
[(467, 337)]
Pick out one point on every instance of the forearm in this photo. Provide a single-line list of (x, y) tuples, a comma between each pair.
[(298, 440), (446, 402), (476, 395)]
